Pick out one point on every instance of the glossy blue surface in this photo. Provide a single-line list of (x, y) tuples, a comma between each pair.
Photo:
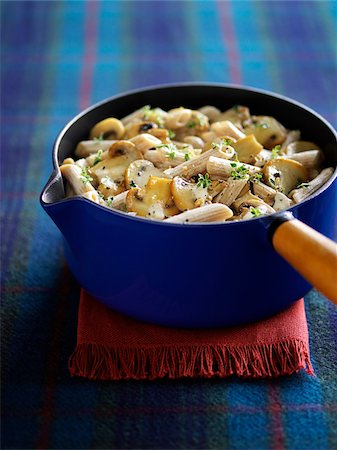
[(182, 275)]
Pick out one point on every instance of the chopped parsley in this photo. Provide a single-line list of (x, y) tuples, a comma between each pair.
[(222, 143), (98, 157), (239, 172), (203, 180), (171, 154), (275, 151), (255, 212), (109, 200), (171, 134), (154, 115), (187, 156), (261, 125), (191, 124), (85, 176), (133, 184), (256, 177)]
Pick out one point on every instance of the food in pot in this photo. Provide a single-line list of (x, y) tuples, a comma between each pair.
[(185, 166)]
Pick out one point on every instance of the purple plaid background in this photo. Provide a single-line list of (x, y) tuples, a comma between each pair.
[(59, 57)]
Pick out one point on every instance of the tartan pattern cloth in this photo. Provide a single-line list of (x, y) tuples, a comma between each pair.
[(59, 57)]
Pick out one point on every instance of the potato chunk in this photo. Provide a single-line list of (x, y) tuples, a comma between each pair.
[(154, 201), (267, 130), (188, 195)]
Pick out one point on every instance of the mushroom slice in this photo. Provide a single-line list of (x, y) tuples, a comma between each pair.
[(139, 172), (281, 202), (133, 129), (250, 200), (284, 174), (252, 212), (237, 115), (267, 130), (211, 112), (154, 201), (214, 212), (109, 128), (109, 173), (301, 146), (188, 195), (247, 148)]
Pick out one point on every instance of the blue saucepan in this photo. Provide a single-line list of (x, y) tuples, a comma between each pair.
[(206, 275)]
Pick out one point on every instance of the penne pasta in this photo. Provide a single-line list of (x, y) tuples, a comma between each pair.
[(214, 212), (194, 165)]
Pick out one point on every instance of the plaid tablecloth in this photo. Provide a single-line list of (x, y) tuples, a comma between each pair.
[(59, 57)]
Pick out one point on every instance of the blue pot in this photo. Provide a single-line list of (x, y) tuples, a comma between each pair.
[(208, 275)]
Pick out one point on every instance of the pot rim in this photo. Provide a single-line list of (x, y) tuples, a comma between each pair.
[(56, 172)]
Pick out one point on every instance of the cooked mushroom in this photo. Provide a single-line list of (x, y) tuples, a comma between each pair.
[(284, 174), (139, 172), (281, 201), (262, 158), (250, 200), (267, 130), (237, 115), (188, 195), (110, 128), (154, 201), (133, 129), (109, 173), (247, 148), (211, 112)]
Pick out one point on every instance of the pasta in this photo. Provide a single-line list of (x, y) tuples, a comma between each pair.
[(187, 166)]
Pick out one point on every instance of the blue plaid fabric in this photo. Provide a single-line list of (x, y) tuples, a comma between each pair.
[(59, 57)]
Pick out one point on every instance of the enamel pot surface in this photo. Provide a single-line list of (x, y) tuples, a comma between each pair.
[(208, 275)]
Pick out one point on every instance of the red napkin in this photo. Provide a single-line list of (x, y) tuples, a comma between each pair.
[(111, 346)]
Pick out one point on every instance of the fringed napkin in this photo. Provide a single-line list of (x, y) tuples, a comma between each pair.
[(111, 346)]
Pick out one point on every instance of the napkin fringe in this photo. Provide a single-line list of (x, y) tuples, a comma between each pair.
[(99, 362)]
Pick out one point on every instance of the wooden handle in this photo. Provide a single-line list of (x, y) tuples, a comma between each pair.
[(313, 255)]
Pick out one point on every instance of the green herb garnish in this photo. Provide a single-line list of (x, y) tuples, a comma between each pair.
[(187, 156), (191, 124), (255, 212), (171, 134), (85, 177), (133, 184), (203, 180), (262, 125), (171, 155), (256, 177), (275, 151), (98, 157), (239, 172), (109, 200)]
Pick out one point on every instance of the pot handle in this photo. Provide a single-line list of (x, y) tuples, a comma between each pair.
[(311, 253)]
